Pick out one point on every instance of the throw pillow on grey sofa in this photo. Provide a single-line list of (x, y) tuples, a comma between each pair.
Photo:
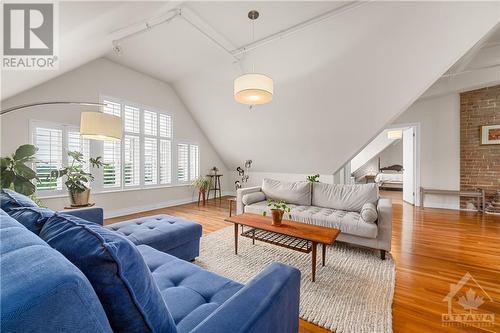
[(369, 212), (297, 193), (251, 198), (344, 197)]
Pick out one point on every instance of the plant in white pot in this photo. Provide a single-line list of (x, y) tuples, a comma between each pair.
[(77, 179)]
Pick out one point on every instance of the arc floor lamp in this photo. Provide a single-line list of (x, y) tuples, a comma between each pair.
[(93, 125)]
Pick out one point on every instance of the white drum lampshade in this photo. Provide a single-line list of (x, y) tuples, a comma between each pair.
[(100, 126), (253, 89)]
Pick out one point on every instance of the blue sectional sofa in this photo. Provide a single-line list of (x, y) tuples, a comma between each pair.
[(67, 273)]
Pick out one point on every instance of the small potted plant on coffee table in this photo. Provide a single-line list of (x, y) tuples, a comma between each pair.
[(278, 209)]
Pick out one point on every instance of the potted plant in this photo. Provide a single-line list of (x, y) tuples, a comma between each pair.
[(277, 210), (77, 178), (313, 178), (14, 172), (202, 183)]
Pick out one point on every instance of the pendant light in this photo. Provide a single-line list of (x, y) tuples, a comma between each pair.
[(253, 88)]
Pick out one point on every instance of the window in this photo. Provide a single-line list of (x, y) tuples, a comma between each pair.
[(182, 162), (188, 162), (145, 154), (53, 142), (111, 152)]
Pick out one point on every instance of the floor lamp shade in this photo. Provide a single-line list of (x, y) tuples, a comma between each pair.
[(253, 89), (100, 126)]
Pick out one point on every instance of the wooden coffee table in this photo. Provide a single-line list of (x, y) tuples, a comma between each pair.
[(291, 235)]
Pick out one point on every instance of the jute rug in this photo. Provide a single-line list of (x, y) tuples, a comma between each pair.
[(352, 293)]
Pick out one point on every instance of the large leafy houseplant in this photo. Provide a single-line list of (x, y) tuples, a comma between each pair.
[(203, 184), (16, 174), (76, 177)]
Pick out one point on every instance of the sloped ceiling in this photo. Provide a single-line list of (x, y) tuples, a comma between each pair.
[(337, 83)]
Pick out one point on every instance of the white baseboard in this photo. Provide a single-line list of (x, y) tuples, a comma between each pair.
[(144, 208), (441, 205)]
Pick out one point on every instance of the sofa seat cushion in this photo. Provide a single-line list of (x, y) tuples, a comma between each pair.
[(297, 193), (32, 218), (10, 199), (190, 292), (347, 222), (116, 270), (162, 232)]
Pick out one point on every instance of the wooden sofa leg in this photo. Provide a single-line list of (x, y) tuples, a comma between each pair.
[(382, 254)]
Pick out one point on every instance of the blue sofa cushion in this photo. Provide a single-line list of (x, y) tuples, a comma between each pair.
[(162, 232), (41, 291), (116, 270), (10, 199), (191, 293), (32, 218)]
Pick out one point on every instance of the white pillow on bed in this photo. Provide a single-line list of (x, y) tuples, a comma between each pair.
[(390, 171)]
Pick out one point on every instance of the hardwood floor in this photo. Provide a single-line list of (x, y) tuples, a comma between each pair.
[(432, 248)]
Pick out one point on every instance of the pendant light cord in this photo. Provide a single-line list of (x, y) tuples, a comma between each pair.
[(253, 40)]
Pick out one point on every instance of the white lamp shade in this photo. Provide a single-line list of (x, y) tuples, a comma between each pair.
[(100, 126), (394, 135), (253, 89)]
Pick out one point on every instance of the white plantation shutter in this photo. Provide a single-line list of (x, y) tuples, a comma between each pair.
[(150, 161), (194, 162), (131, 119), (111, 173), (150, 123), (131, 163), (49, 156), (111, 155), (165, 126), (112, 108), (165, 162), (182, 162), (77, 143)]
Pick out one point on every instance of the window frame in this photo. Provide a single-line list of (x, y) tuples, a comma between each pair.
[(189, 143)]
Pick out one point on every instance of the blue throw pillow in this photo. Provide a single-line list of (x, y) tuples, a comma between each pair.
[(116, 270), (32, 218), (10, 199)]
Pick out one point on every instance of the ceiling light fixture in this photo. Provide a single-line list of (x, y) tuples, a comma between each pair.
[(253, 88), (394, 135)]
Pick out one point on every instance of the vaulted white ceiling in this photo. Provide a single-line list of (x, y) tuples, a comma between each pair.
[(337, 82)]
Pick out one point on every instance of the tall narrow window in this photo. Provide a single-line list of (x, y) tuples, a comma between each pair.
[(182, 162), (165, 126), (194, 162), (150, 161), (165, 162), (131, 119), (131, 163), (82, 145), (49, 156), (111, 152), (150, 123)]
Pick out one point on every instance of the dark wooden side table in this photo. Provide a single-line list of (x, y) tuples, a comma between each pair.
[(230, 201), (215, 187)]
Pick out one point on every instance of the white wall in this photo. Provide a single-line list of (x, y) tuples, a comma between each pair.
[(392, 155), (439, 119), (87, 83)]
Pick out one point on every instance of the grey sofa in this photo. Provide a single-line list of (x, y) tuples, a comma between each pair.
[(328, 205)]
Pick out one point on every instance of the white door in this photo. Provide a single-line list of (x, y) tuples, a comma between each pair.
[(409, 165)]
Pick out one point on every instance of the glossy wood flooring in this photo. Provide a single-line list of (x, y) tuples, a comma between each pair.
[(432, 248)]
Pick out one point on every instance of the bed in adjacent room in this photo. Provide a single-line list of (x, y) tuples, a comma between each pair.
[(390, 177)]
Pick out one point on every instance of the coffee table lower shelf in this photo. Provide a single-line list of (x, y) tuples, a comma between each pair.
[(294, 243), (289, 242)]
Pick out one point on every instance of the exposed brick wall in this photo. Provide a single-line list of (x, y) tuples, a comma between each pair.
[(479, 164)]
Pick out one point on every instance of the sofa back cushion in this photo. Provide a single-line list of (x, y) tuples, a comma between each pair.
[(344, 197), (116, 270), (33, 218), (10, 199), (297, 193)]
